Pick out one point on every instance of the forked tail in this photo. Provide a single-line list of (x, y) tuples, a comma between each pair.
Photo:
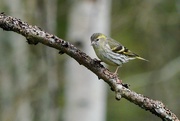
[(140, 58)]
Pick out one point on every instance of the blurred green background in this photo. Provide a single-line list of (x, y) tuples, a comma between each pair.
[(32, 77)]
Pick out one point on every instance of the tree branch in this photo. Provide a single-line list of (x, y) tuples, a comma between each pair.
[(35, 35)]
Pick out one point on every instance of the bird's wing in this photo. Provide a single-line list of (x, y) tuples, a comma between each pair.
[(119, 48), (113, 43)]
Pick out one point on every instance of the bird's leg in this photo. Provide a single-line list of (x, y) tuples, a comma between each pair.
[(115, 73), (116, 70)]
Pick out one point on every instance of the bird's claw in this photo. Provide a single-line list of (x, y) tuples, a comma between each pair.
[(119, 81)]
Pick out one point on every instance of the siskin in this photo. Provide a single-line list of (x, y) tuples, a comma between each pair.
[(112, 52)]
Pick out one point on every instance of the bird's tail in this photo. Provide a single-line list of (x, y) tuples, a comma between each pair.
[(140, 58)]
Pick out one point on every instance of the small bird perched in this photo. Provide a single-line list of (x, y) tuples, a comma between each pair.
[(112, 52)]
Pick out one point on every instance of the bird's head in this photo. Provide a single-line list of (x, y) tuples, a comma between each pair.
[(97, 39)]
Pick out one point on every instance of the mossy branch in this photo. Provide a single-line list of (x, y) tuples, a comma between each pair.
[(35, 35)]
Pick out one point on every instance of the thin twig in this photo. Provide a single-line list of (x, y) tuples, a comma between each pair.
[(35, 35)]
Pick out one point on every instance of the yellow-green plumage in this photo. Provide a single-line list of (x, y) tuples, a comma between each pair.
[(110, 51)]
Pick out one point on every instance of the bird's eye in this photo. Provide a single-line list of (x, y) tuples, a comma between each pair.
[(97, 40)]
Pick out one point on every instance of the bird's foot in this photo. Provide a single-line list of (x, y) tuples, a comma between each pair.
[(119, 81)]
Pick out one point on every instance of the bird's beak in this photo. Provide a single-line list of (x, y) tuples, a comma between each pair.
[(92, 43)]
